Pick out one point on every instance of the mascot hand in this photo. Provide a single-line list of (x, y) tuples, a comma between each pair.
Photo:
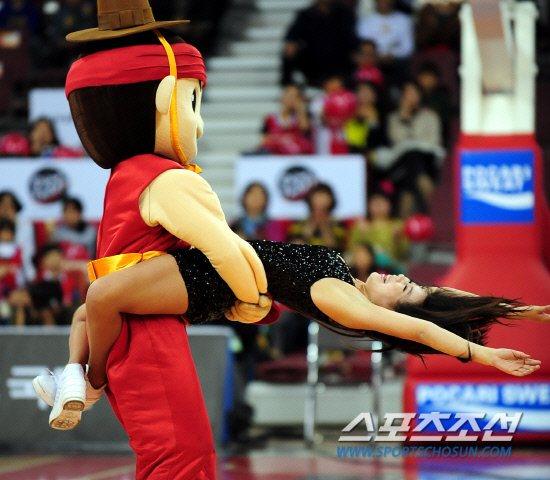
[(185, 205), (249, 312)]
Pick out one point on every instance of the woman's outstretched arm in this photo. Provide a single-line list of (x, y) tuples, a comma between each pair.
[(346, 305)]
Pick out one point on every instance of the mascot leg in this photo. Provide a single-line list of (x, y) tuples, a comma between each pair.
[(159, 400)]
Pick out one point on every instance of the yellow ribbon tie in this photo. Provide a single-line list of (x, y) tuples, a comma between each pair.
[(174, 131)]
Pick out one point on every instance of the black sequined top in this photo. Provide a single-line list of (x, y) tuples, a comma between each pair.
[(291, 270)]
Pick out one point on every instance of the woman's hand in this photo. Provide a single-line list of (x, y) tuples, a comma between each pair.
[(534, 313), (514, 362)]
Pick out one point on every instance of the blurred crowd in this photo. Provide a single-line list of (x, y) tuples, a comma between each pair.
[(43, 276)]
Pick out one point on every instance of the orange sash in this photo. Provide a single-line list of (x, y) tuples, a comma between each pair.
[(103, 266)]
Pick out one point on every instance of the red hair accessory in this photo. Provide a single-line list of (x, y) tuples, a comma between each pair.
[(138, 63)]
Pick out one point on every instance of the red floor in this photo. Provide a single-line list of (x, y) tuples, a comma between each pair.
[(302, 465)]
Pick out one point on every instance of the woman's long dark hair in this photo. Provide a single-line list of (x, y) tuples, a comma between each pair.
[(469, 317)]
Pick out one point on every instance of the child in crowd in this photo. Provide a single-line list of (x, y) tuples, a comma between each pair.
[(366, 60), (383, 232), (52, 292), (364, 131), (331, 110), (288, 132), (76, 237), (11, 263)]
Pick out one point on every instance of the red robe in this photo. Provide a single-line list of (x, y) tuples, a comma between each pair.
[(153, 386)]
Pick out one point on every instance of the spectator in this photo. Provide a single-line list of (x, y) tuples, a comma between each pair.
[(43, 138), (364, 132), (289, 132), (15, 145), (319, 42), (254, 224), (383, 232), (19, 14), (10, 207), (366, 61), (412, 163), (392, 31), (10, 266), (77, 238), (52, 291), (438, 27), (330, 112), (434, 95), (321, 228), (72, 15), (44, 141), (362, 262)]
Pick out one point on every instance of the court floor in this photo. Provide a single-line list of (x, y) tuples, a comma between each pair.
[(292, 463)]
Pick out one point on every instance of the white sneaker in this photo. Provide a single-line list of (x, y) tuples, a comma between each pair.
[(45, 387), (70, 398)]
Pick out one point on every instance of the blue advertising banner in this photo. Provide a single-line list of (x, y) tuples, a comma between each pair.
[(497, 186), (488, 405)]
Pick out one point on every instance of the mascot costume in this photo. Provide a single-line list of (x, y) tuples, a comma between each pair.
[(135, 96)]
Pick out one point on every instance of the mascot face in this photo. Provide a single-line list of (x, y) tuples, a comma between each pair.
[(125, 101), (190, 123)]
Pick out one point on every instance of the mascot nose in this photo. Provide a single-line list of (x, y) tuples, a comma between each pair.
[(200, 128)]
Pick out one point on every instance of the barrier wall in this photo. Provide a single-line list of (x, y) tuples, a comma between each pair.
[(26, 352)]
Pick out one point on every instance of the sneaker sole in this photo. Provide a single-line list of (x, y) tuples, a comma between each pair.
[(69, 417)]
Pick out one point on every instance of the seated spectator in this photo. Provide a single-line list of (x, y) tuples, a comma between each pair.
[(438, 27), (392, 31), (321, 228), (366, 61), (10, 266), (10, 207), (71, 15), (254, 224), (52, 291), (362, 262), (76, 237), (15, 145), (319, 42), (44, 142), (330, 112), (19, 14), (288, 132), (364, 131), (383, 232), (434, 95), (412, 163)]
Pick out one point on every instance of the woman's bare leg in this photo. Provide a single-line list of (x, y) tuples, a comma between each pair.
[(154, 286), (78, 346)]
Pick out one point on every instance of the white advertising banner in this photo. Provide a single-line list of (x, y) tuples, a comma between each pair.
[(52, 103), (289, 179), (41, 184)]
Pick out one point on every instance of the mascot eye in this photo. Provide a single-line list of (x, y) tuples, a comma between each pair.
[(194, 100)]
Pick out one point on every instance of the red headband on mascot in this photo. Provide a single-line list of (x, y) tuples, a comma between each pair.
[(139, 63)]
